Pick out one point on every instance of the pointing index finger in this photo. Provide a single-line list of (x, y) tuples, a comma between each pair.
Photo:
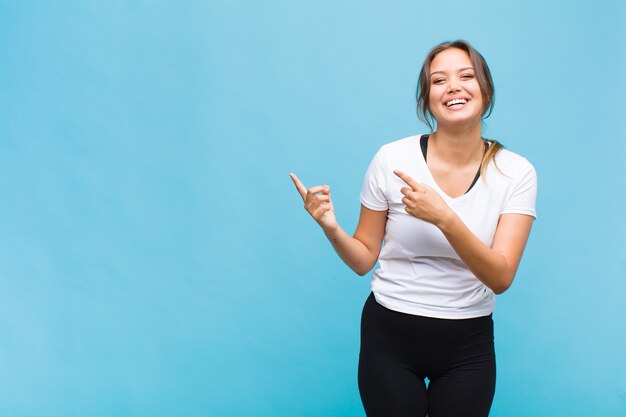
[(299, 186), (410, 181)]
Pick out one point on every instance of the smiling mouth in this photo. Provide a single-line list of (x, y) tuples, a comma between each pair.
[(457, 102)]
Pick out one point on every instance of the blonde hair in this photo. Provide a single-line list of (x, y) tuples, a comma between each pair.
[(490, 155)]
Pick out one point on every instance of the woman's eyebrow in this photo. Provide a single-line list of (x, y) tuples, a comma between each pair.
[(443, 72)]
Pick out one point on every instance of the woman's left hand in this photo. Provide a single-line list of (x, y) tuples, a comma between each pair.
[(423, 202)]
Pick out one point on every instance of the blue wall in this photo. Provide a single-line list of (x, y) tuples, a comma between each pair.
[(155, 259)]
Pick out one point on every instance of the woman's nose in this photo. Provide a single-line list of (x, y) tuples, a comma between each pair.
[(453, 86)]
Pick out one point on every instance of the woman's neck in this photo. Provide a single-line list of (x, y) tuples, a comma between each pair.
[(457, 146)]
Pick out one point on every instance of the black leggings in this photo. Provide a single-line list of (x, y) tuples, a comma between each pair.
[(398, 351)]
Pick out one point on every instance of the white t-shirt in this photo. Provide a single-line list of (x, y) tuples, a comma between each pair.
[(420, 273)]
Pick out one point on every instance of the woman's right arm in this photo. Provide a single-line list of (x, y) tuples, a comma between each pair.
[(360, 252)]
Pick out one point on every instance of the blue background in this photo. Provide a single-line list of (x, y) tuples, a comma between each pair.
[(155, 259)]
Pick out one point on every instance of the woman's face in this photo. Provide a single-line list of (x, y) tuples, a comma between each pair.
[(455, 96)]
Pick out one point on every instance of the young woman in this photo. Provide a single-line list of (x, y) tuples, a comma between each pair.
[(455, 211)]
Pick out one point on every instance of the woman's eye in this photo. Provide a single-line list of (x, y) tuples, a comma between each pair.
[(466, 76), (438, 81)]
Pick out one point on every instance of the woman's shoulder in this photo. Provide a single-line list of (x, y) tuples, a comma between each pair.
[(401, 145), (511, 163), (507, 157)]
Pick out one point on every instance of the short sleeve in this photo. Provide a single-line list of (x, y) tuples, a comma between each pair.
[(373, 193), (523, 197)]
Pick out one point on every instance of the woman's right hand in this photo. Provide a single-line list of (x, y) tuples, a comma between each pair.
[(318, 203)]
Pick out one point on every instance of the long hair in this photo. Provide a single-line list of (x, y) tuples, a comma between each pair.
[(483, 76)]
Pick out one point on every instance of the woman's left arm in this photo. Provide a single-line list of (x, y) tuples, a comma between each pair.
[(495, 266)]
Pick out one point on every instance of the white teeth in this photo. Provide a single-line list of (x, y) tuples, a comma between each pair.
[(456, 101)]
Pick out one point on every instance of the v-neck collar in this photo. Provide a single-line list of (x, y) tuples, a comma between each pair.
[(434, 183)]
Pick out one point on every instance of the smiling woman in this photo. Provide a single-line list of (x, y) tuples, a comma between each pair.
[(472, 68), (455, 211), (476, 68), (454, 91)]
